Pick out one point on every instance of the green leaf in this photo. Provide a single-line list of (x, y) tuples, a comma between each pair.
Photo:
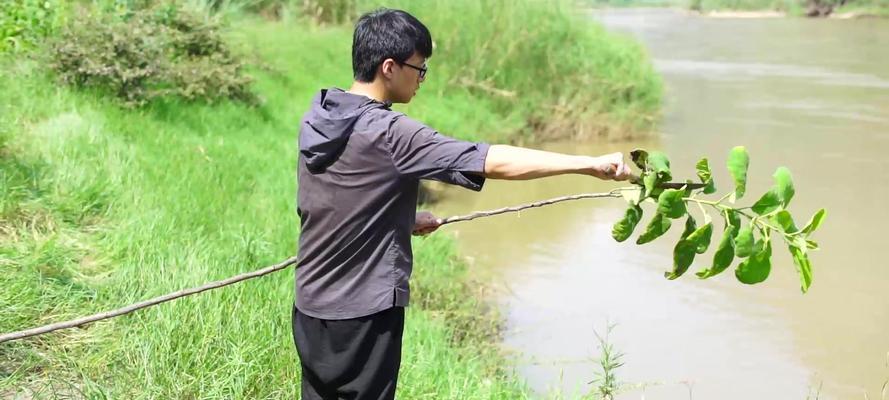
[(725, 253), (785, 221), (706, 176), (744, 242), (701, 238), (657, 170), (650, 181), (624, 228), (655, 229), (733, 220), (803, 267), (738, 162), (779, 195), (694, 240), (683, 256), (811, 245), (783, 185), (670, 203), (758, 245), (756, 268), (703, 169), (640, 158), (690, 226), (814, 222), (767, 203), (660, 164)]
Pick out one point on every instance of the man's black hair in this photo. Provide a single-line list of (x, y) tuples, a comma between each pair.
[(383, 34)]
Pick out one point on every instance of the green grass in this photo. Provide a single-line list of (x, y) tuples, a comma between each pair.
[(569, 77), (876, 8), (633, 3), (102, 206)]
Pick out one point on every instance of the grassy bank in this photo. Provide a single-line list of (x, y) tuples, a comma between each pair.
[(864, 8), (545, 71), (101, 206), (797, 8)]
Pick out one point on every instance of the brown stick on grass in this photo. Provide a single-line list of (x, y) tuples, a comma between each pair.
[(265, 271)]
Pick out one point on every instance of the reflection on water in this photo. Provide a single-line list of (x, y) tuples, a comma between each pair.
[(809, 95)]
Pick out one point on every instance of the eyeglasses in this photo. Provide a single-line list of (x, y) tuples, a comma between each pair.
[(422, 69)]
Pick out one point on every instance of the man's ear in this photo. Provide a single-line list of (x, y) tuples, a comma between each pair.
[(387, 68)]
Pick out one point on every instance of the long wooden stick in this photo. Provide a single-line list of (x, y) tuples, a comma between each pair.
[(481, 214), (146, 303), (264, 271)]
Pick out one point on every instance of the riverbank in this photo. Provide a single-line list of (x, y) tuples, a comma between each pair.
[(103, 206), (791, 8), (855, 9)]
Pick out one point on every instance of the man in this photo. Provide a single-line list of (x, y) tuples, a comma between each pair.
[(360, 164)]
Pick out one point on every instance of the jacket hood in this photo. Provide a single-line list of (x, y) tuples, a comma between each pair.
[(326, 127)]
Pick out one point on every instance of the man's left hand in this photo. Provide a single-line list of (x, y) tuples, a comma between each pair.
[(425, 223)]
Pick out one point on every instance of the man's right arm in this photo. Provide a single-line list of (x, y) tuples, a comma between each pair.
[(518, 163)]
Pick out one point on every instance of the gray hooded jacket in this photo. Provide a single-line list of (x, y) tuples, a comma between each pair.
[(358, 174)]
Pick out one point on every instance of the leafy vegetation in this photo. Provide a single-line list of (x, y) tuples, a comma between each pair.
[(750, 242), (24, 23), (151, 53), (606, 383)]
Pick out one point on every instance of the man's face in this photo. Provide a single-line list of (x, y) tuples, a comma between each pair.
[(405, 80)]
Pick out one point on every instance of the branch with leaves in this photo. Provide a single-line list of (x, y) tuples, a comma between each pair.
[(750, 240)]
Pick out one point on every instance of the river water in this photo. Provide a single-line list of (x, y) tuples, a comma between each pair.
[(812, 95)]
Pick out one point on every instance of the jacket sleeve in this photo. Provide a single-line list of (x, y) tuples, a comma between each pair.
[(420, 152)]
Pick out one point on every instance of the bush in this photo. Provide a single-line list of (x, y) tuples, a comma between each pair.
[(146, 54)]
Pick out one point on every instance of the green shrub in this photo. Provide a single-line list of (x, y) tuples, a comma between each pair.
[(24, 22), (146, 54)]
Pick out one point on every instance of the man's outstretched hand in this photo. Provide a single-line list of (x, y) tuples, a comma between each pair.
[(425, 223), (611, 167)]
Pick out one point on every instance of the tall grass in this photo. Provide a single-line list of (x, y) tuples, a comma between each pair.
[(537, 67), (542, 68), (610, 360)]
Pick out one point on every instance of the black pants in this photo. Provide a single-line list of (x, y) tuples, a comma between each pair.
[(349, 359)]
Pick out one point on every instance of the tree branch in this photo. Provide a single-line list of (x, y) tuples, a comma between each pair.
[(482, 214), (143, 304)]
